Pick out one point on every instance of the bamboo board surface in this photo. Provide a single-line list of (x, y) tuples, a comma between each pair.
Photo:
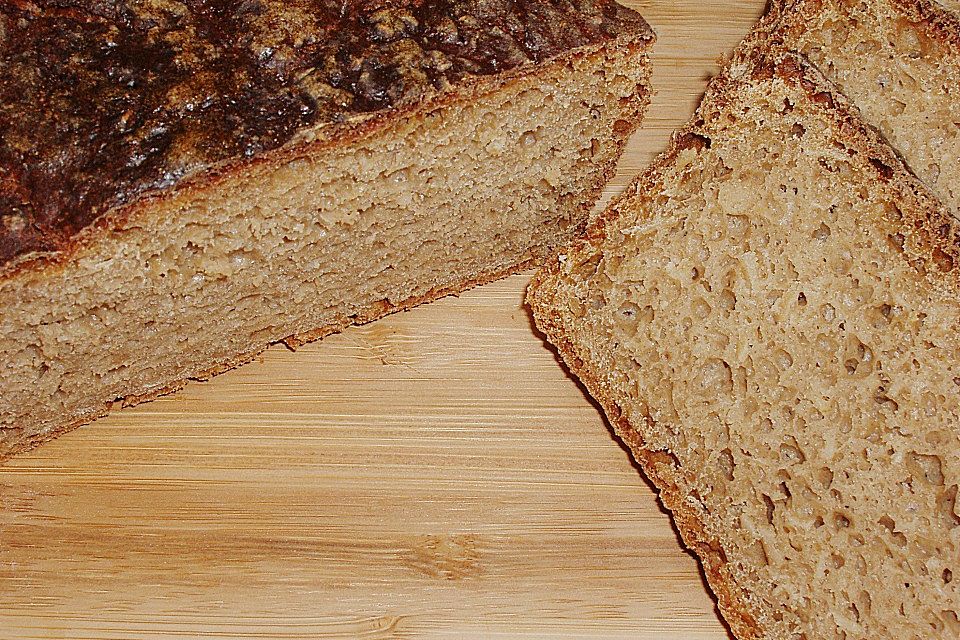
[(435, 474)]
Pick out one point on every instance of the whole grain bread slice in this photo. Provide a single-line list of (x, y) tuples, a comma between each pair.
[(898, 61), (769, 318)]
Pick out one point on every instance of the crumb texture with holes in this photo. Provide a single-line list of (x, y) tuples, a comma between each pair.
[(770, 317), (899, 62), (340, 224)]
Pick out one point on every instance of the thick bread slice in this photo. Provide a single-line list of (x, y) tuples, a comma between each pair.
[(390, 153), (898, 61), (769, 317)]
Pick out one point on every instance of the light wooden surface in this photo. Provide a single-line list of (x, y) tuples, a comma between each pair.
[(434, 474)]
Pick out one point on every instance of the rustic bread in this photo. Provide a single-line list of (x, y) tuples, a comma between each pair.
[(182, 184), (769, 317), (898, 61)]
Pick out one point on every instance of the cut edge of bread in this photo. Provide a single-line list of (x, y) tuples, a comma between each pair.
[(934, 251), (634, 46)]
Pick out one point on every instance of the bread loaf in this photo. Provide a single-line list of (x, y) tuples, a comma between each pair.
[(770, 318), (184, 183), (898, 61)]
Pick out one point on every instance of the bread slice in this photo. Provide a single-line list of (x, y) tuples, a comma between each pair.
[(182, 185), (898, 61), (769, 317)]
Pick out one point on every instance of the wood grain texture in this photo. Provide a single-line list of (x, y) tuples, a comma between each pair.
[(434, 474)]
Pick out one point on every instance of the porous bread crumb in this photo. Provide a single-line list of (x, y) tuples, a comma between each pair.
[(769, 317)]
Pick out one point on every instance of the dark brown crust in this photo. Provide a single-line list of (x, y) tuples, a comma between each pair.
[(925, 237), (471, 88), (102, 102)]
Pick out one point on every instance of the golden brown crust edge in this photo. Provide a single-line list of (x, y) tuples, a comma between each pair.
[(941, 23), (932, 245), (658, 466)]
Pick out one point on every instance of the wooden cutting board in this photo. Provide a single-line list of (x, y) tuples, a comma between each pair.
[(433, 474)]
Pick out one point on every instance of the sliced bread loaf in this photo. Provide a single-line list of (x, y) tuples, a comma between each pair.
[(898, 61), (182, 184), (769, 317)]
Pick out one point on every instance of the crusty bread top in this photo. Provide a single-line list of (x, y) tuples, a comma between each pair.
[(104, 100)]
